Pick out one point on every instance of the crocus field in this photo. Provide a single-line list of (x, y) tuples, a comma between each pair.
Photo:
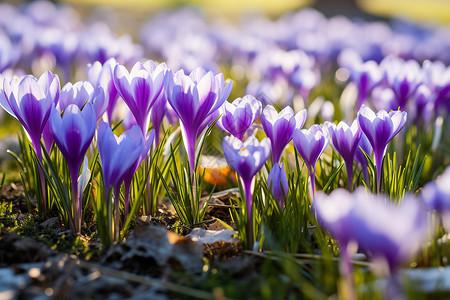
[(301, 157)]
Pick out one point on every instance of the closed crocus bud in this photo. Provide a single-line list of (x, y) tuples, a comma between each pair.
[(119, 155), (345, 139), (279, 127), (379, 129), (195, 99), (73, 133), (246, 158), (436, 195), (278, 183), (238, 116), (310, 144)]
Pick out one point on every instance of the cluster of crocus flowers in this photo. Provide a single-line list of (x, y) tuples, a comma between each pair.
[(246, 158)]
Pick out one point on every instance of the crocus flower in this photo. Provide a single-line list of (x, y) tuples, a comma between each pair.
[(73, 133), (102, 75), (345, 140), (246, 158), (79, 93), (380, 128), (238, 116), (278, 183), (140, 88), (310, 143), (279, 127), (436, 195), (381, 229), (30, 100), (119, 155), (195, 98)]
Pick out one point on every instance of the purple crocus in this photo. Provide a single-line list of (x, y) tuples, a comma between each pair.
[(380, 128), (310, 143), (345, 141), (102, 75), (238, 116), (381, 229), (140, 88), (279, 127), (81, 92), (119, 155), (195, 98), (246, 158), (73, 134), (436, 195), (278, 183), (30, 101)]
